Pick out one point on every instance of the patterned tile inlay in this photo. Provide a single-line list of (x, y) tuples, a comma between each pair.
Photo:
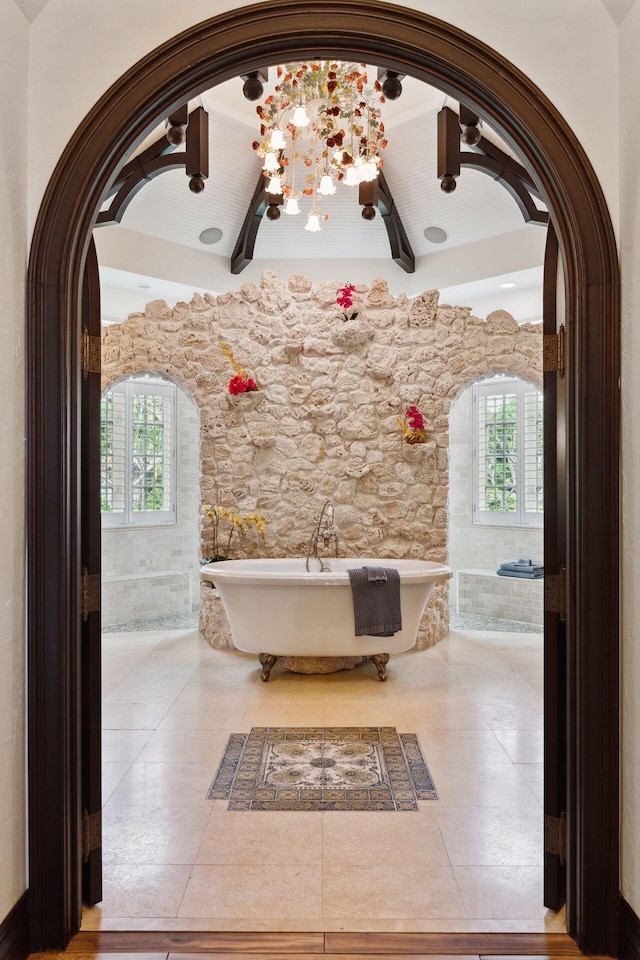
[(323, 768)]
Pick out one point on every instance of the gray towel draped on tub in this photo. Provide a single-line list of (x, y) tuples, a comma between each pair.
[(376, 601)]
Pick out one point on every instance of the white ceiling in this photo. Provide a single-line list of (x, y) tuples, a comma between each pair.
[(478, 212)]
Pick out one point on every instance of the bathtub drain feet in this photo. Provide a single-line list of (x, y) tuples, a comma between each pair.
[(268, 661), (380, 660)]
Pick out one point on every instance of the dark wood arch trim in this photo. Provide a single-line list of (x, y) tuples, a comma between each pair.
[(233, 44)]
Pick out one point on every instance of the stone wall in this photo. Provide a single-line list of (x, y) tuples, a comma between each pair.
[(324, 422)]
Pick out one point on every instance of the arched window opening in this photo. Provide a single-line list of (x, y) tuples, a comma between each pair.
[(507, 473), (138, 452)]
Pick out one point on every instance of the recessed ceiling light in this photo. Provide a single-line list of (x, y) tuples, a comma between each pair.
[(435, 234), (143, 286), (211, 235), (508, 284)]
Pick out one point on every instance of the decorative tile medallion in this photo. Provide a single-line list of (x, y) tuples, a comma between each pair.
[(323, 768)]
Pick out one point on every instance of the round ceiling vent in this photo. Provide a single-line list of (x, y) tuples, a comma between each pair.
[(435, 234), (211, 235)]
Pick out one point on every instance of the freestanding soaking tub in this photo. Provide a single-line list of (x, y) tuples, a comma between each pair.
[(276, 608)]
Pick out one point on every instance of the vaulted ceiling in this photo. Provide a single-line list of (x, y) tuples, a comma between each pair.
[(486, 236)]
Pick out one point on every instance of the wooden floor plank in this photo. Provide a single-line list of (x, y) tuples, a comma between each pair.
[(433, 944), (305, 956), (193, 941)]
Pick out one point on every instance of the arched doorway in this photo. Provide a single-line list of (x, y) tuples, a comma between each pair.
[(409, 42)]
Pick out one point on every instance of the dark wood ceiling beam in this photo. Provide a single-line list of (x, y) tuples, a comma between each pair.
[(376, 193), (245, 244), (159, 157), (487, 158)]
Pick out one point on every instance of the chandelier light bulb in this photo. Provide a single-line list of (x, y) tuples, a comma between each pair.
[(300, 117), (270, 163), (277, 141), (327, 186), (352, 178), (369, 170), (313, 223), (325, 117)]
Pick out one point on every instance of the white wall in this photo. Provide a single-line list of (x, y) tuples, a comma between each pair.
[(14, 55), (153, 571), (630, 258)]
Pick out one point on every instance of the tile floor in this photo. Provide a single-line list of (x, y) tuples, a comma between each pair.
[(469, 861)]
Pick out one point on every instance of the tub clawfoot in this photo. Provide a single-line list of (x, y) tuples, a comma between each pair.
[(380, 660), (268, 661)]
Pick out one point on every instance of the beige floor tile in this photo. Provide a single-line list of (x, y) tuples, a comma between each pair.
[(382, 838), (153, 690), (123, 744), (248, 891), (460, 746), (112, 774), (285, 714), (362, 687), (398, 892), (364, 713), (189, 713), (132, 716), (206, 695), (533, 776), (480, 784), (475, 703), (228, 666), (174, 784), (171, 745), (549, 924), (522, 746), (262, 837), (152, 834), (143, 890), (512, 716), (447, 715), (494, 892), (491, 835)]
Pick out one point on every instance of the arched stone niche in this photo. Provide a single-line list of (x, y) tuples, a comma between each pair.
[(324, 422)]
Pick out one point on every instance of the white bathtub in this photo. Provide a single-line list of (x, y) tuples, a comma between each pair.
[(277, 609)]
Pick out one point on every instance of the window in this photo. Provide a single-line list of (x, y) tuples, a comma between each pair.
[(507, 453), (138, 452)]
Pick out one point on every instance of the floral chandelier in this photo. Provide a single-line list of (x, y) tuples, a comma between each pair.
[(324, 119)]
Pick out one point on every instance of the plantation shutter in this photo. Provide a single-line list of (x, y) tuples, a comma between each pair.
[(507, 453), (533, 451), (138, 453)]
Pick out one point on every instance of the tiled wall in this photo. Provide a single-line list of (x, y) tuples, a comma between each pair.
[(154, 571), (480, 547), (488, 595)]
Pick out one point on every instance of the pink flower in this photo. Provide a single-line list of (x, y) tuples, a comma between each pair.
[(344, 300)]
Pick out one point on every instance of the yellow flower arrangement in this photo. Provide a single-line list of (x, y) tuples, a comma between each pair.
[(412, 426), (234, 522)]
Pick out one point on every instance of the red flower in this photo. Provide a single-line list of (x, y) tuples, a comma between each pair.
[(414, 418), (241, 384)]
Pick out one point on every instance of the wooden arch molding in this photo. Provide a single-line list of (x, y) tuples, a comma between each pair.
[(230, 45)]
